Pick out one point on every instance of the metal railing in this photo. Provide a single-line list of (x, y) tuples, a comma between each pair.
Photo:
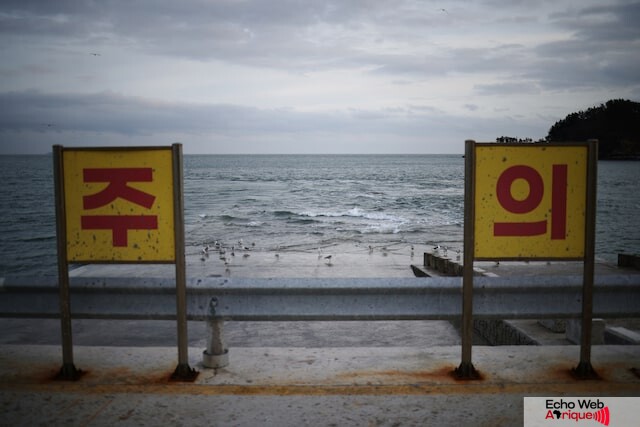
[(218, 299)]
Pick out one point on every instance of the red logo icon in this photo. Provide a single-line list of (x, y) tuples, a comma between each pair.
[(602, 416)]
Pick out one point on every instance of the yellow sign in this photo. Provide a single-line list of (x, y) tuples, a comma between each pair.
[(119, 205), (530, 201)]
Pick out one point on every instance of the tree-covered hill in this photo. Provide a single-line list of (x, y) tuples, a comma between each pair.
[(615, 124)]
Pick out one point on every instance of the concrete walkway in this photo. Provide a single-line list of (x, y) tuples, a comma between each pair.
[(283, 374), (275, 386)]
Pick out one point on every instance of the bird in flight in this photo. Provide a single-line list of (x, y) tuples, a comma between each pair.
[(94, 54)]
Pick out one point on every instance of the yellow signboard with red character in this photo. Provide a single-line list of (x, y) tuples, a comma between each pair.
[(119, 205), (530, 201)]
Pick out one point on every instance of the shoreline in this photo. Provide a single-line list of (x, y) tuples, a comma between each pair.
[(345, 260), (337, 261)]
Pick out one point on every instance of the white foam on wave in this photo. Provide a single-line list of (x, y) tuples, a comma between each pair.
[(355, 213), (382, 229)]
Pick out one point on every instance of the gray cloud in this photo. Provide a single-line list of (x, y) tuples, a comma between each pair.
[(317, 35), (611, 22), (115, 113), (602, 50), (478, 52), (507, 88), (107, 117)]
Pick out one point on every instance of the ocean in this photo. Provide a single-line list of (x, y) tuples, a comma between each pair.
[(302, 203)]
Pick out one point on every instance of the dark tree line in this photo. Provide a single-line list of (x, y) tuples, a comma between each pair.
[(616, 125)]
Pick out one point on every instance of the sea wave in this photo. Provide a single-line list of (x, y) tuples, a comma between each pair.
[(231, 220), (284, 214), (382, 229), (303, 202), (40, 238), (354, 213)]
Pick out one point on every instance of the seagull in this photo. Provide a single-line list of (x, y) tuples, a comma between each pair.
[(205, 252), (328, 258), (436, 248), (443, 10), (94, 54)]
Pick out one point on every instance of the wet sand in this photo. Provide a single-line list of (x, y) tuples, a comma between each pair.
[(345, 260)]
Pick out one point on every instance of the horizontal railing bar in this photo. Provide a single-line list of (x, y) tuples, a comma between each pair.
[(437, 298)]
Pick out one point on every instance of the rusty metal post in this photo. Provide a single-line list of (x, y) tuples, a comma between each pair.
[(584, 370), (183, 372), (466, 369), (68, 370)]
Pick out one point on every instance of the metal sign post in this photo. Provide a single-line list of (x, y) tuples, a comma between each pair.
[(529, 202), (120, 205), (68, 370), (466, 369), (183, 372), (584, 370)]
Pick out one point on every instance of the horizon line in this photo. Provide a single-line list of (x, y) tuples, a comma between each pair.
[(273, 154)]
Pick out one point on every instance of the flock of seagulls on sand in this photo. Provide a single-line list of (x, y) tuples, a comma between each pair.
[(223, 250), (227, 253)]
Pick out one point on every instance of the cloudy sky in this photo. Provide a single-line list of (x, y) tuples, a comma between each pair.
[(286, 76)]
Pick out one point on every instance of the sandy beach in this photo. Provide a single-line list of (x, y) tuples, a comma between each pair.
[(344, 260)]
